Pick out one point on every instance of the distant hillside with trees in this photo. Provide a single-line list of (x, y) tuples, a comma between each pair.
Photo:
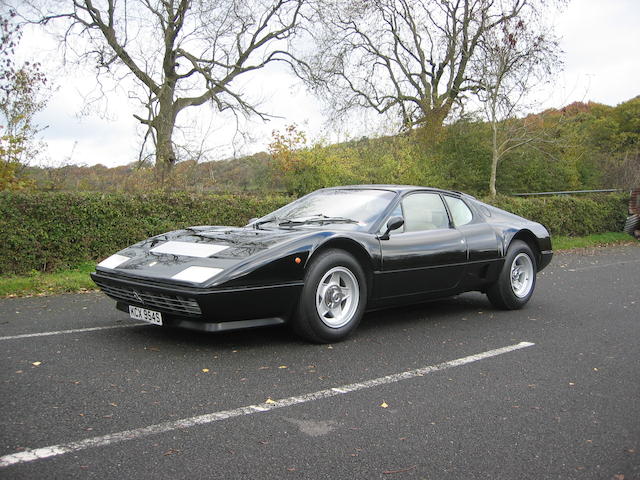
[(581, 146)]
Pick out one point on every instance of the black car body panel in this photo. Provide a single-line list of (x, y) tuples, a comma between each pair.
[(262, 268)]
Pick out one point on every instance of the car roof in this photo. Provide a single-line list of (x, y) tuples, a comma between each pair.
[(396, 188)]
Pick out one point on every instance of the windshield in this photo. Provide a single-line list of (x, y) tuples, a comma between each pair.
[(346, 207)]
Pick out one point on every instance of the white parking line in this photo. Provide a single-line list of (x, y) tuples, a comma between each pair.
[(30, 455), (604, 265), (75, 330)]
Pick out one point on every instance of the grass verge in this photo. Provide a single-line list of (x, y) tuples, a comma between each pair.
[(594, 240), (37, 283), (78, 280)]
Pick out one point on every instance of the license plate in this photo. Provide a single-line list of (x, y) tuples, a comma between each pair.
[(145, 315)]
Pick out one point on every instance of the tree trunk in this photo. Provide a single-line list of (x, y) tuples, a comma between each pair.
[(164, 123), (430, 126), (495, 156), (165, 156)]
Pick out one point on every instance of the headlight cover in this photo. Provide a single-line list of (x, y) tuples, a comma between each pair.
[(113, 261), (197, 274)]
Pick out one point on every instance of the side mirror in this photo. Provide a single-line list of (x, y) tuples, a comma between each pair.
[(394, 223)]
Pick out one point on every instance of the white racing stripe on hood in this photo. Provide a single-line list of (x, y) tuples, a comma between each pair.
[(188, 249)]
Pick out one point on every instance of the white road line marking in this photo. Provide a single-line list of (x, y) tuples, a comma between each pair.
[(592, 267), (30, 455), (76, 330)]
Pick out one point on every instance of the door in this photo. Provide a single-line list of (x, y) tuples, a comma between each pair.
[(426, 255), (484, 247)]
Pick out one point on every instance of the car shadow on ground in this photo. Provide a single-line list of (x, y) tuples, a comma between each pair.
[(379, 324)]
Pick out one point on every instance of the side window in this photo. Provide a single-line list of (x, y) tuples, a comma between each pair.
[(424, 211), (459, 211)]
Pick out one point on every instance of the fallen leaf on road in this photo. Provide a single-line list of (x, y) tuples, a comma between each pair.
[(384, 405), (283, 366), (391, 472), (205, 370), (171, 451), (36, 364), (269, 401)]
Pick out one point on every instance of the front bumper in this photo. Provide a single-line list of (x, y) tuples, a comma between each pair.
[(216, 309)]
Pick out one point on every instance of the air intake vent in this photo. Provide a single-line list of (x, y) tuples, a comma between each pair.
[(152, 300)]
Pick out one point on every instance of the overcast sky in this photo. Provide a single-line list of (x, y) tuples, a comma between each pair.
[(600, 39)]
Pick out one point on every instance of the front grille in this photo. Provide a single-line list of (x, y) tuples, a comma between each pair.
[(171, 303)]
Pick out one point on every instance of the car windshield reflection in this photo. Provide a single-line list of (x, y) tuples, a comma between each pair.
[(357, 207)]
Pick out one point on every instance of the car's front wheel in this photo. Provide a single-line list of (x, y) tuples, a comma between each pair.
[(333, 298), (517, 278)]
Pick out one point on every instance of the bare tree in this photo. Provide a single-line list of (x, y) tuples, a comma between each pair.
[(410, 58), (181, 53), (514, 60)]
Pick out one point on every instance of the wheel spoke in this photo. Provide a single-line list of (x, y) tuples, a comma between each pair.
[(346, 292), (337, 312), (323, 309), (322, 291)]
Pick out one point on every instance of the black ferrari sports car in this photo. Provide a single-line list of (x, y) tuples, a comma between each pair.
[(321, 261)]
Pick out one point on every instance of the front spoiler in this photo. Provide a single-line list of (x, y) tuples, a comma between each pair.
[(201, 325)]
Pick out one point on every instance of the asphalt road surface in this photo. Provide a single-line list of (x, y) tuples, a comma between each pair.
[(448, 390)]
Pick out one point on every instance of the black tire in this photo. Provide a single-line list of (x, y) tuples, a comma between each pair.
[(508, 294), (632, 224), (340, 273)]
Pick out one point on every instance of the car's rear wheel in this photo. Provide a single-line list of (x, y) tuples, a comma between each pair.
[(517, 279), (333, 298)]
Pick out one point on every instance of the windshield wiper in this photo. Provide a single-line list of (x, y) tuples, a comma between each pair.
[(257, 224), (320, 219)]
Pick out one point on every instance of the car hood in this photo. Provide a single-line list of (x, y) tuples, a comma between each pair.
[(232, 250)]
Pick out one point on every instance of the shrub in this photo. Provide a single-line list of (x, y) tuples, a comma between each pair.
[(570, 215), (56, 230)]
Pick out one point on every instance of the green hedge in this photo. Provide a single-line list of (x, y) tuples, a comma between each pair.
[(51, 231), (570, 215)]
